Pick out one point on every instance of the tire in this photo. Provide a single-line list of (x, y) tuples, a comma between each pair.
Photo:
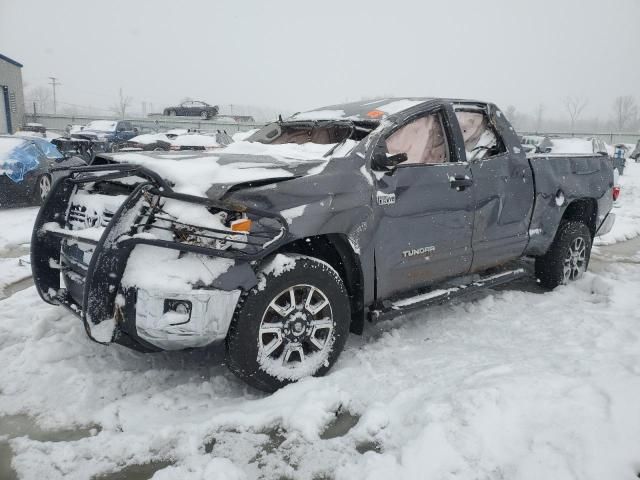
[(172, 113), (568, 256), (268, 338), (204, 115), (43, 187)]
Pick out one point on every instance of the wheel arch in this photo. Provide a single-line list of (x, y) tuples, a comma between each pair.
[(583, 210), (336, 250)]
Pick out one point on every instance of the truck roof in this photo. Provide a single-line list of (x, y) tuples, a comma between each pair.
[(371, 109)]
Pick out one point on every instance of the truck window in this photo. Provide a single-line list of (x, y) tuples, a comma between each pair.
[(423, 140), (481, 141)]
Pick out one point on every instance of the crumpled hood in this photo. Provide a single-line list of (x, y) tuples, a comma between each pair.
[(212, 174)]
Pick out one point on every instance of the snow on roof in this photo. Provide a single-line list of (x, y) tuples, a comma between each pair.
[(571, 145)]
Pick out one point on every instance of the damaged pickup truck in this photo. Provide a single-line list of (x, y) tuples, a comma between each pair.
[(281, 245)]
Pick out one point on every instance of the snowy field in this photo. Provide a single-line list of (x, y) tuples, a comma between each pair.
[(511, 384)]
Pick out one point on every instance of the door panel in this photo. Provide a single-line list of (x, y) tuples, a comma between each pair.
[(425, 236), (504, 197)]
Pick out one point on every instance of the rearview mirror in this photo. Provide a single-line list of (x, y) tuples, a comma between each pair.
[(383, 161)]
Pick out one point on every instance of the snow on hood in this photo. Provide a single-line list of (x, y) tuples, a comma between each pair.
[(147, 138), (196, 173), (195, 140)]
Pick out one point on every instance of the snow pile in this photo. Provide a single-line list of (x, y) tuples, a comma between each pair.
[(15, 228), (627, 208)]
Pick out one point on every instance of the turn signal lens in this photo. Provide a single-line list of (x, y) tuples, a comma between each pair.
[(241, 225), (616, 193)]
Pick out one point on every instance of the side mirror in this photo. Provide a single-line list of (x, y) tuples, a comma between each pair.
[(382, 161), (135, 129)]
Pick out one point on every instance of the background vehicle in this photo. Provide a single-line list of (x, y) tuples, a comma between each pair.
[(37, 128), (182, 141), (193, 109), (107, 135), (636, 152), (26, 169), (281, 245)]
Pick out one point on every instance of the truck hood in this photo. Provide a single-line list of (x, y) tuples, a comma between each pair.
[(212, 174)]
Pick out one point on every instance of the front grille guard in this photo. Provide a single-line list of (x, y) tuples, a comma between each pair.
[(112, 250)]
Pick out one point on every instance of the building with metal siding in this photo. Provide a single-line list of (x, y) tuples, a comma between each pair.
[(11, 95)]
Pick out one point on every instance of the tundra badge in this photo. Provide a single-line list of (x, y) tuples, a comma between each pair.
[(386, 198), (418, 251)]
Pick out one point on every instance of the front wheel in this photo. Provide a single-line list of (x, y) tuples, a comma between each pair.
[(204, 115), (294, 324), (568, 256)]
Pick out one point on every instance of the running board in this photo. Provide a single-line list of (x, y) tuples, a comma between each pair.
[(402, 306)]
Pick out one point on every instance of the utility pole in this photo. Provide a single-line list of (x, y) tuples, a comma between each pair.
[(54, 83)]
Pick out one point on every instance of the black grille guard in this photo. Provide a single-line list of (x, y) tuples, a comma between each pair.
[(112, 250)]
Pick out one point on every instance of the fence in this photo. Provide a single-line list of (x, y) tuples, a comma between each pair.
[(146, 124), (612, 138)]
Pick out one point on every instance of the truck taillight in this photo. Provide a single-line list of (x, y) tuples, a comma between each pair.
[(616, 193)]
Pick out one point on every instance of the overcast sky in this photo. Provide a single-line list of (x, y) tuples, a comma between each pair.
[(296, 55)]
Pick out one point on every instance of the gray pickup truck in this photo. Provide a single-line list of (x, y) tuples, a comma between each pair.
[(281, 245)]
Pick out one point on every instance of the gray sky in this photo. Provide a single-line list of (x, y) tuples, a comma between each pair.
[(295, 55)]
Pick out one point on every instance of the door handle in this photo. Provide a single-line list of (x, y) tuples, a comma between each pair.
[(460, 182)]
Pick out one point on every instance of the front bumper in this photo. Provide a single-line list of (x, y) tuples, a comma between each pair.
[(208, 320), (84, 273)]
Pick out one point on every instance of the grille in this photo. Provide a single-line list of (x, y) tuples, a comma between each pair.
[(82, 217)]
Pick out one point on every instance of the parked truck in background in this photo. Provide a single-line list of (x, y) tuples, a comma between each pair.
[(281, 245)]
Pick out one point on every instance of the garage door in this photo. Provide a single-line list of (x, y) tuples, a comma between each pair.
[(3, 112)]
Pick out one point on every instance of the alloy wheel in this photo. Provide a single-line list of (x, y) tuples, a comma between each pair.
[(296, 326), (575, 262)]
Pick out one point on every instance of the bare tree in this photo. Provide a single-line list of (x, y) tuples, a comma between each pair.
[(539, 115), (120, 108), (40, 96), (512, 115), (575, 106), (625, 112)]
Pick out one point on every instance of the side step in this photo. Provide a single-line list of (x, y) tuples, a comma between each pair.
[(402, 306)]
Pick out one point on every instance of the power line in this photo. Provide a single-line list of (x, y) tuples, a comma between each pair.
[(54, 82)]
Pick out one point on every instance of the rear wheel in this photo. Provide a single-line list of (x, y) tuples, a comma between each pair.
[(42, 188), (172, 113), (294, 324), (567, 258)]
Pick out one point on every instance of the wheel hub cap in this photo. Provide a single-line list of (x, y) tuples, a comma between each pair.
[(297, 326)]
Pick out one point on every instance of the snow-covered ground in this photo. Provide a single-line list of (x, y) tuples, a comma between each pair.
[(510, 384)]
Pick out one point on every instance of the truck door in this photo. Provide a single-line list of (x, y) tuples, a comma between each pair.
[(424, 206), (503, 186)]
